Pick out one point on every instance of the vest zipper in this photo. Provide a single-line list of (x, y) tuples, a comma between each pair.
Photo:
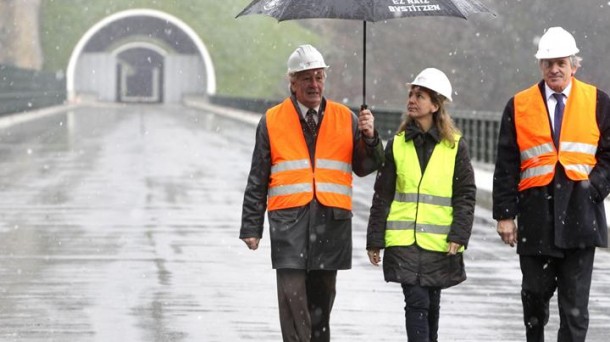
[(418, 276)]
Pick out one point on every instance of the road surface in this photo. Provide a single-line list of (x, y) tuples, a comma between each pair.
[(120, 223)]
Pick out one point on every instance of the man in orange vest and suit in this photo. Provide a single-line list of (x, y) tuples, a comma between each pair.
[(552, 174), (306, 149)]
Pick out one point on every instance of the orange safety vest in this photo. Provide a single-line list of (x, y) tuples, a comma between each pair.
[(578, 139), (292, 178)]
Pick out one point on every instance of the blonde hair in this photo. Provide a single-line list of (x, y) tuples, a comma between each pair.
[(441, 118)]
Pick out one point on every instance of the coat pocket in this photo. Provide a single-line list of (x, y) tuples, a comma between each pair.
[(342, 214), (284, 217)]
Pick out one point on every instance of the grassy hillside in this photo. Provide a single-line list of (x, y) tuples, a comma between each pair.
[(249, 53)]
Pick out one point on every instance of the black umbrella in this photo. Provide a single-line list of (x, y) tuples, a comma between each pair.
[(365, 10)]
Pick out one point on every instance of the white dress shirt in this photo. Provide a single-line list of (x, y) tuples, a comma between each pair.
[(304, 110), (551, 103)]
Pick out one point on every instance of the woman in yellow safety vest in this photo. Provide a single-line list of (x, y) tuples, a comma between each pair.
[(423, 207)]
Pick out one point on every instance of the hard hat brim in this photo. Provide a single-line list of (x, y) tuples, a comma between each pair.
[(409, 84), (542, 55), (292, 72)]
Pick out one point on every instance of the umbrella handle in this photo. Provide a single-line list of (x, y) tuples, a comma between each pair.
[(363, 106)]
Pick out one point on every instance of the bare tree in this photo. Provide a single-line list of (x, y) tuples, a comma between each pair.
[(19, 33)]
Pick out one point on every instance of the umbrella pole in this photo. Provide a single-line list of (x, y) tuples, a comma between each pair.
[(364, 106)]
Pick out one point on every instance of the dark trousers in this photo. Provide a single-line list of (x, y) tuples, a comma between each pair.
[(571, 276), (422, 310), (305, 301)]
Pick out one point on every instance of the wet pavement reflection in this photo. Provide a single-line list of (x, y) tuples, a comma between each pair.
[(120, 223)]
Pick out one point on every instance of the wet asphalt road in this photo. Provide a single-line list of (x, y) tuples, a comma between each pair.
[(120, 223)]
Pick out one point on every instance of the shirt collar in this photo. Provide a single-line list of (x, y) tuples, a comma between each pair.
[(412, 131), (549, 92), (304, 109)]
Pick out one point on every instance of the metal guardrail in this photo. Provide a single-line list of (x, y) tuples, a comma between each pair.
[(24, 90), (479, 128)]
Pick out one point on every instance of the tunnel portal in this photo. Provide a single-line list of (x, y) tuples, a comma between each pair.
[(140, 56)]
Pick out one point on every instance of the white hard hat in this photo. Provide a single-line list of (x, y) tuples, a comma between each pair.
[(556, 43), (305, 57), (434, 80)]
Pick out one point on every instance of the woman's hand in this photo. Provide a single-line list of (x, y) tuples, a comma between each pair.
[(374, 256), (453, 248)]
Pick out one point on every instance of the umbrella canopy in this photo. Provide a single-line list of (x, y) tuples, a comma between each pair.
[(365, 10)]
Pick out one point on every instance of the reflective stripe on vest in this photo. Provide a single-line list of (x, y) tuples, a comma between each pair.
[(334, 182), (421, 211), (578, 139), (292, 177)]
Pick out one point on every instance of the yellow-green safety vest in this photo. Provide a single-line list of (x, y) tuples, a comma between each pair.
[(421, 211)]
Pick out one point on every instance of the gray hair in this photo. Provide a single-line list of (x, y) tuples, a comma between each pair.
[(575, 61)]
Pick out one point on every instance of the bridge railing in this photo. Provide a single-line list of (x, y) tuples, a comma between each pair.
[(479, 128), (23, 90)]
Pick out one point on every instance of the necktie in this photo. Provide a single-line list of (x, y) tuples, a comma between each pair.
[(311, 122), (558, 116)]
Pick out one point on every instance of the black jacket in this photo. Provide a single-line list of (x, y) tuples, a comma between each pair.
[(413, 265), (313, 236), (564, 214)]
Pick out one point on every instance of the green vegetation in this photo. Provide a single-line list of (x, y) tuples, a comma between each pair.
[(487, 58), (249, 53)]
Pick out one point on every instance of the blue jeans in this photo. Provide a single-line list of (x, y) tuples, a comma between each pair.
[(422, 308)]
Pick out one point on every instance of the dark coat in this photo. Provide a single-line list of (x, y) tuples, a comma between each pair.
[(565, 214), (312, 237), (413, 265)]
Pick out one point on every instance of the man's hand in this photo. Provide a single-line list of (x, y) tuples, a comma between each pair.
[(252, 242), (366, 123), (507, 229)]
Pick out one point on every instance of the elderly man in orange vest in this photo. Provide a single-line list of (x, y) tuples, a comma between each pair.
[(306, 149), (552, 174)]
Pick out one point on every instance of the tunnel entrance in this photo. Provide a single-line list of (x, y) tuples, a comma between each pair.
[(140, 76), (140, 55)]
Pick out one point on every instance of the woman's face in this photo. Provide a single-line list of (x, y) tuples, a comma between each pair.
[(420, 105)]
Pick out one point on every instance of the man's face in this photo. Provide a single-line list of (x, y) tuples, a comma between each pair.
[(557, 72), (308, 86)]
